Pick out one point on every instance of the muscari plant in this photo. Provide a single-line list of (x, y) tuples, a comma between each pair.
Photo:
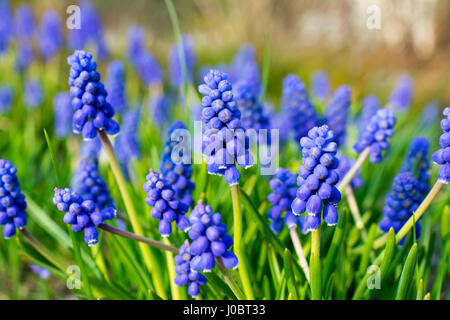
[(91, 206)]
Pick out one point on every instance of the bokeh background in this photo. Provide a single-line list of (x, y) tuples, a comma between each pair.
[(302, 36)]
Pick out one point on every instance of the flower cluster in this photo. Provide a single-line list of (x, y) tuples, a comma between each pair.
[(253, 115), (91, 31), (210, 240), (33, 95), (317, 179), (115, 85), (185, 275), (174, 168), (416, 162), (224, 141), (442, 156), (127, 143), (376, 133), (143, 61), (165, 206), (175, 66), (89, 97), (370, 106), (89, 184), (345, 165), (6, 96), (62, 109), (6, 31), (81, 214), (284, 190), (401, 96), (90, 149), (295, 103), (12, 200), (23, 30), (51, 37), (401, 203), (244, 67), (320, 85), (337, 112)]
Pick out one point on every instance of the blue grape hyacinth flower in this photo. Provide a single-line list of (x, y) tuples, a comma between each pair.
[(90, 149), (442, 156), (401, 97), (24, 57), (62, 109), (90, 31), (295, 102), (224, 140), (92, 110), (376, 133), (320, 85), (89, 184), (6, 23), (173, 166), (41, 272), (416, 162), (401, 203), (175, 69), (284, 190), (24, 23), (33, 95), (51, 37), (244, 67), (337, 112), (370, 106), (253, 115), (317, 177), (6, 97), (185, 275), (210, 240), (12, 200), (115, 85), (142, 60), (81, 214), (165, 206)]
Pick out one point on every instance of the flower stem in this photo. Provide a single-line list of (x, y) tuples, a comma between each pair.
[(235, 196), (354, 169), (354, 209), (176, 291), (230, 280), (43, 250), (316, 277), (149, 258), (414, 217), (299, 250), (139, 238)]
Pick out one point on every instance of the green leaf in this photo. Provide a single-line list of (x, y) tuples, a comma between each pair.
[(336, 242), (407, 274), (365, 258), (274, 268), (329, 287), (290, 275), (389, 251)]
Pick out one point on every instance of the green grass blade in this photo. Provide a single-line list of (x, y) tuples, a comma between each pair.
[(407, 274)]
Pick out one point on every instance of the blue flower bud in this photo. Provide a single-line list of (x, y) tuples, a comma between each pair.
[(442, 156)]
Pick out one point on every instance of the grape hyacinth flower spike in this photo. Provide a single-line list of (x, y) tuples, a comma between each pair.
[(89, 184), (81, 214), (401, 96), (6, 97), (62, 109), (401, 203), (6, 29), (92, 111), (210, 240), (12, 200), (370, 106), (300, 113), (442, 156), (416, 162), (33, 95), (173, 166), (224, 140), (320, 85), (185, 275), (165, 206), (337, 112), (115, 85), (376, 133), (244, 67), (175, 66), (317, 179), (51, 37), (283, 186)]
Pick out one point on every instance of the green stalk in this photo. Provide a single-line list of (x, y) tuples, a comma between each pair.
[(149, 259), (316, 277), (235, 197), (300, 253), (354, 169), (175, 290), (230, 280)]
